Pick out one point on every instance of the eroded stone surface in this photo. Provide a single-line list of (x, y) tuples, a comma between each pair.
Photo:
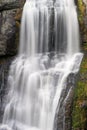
[(9, 20), (63, 120)]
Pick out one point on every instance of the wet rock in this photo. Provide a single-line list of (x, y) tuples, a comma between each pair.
[(63, 120), (7, 32), (10, 10), (4, 70), (2, 44)]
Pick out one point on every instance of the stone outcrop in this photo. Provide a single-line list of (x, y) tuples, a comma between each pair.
[(63, 120), (10, 14)]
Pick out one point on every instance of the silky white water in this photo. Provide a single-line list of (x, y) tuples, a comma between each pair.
[(48, 53)]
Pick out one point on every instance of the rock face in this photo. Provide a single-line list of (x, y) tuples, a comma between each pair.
[(63, 119), (85, 18), (82, 15), (4, 70), (9, 4), (9, 9), (10, 16)]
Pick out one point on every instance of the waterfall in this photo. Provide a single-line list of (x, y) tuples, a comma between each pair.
[(48, 53)]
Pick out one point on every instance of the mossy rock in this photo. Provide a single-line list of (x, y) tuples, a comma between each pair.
[(81, 16), (79, 115)]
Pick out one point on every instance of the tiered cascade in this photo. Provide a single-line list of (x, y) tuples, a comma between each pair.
[(48, 53)]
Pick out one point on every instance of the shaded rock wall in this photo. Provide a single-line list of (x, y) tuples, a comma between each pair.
[(4, 70), (9, 19), (63, 120)]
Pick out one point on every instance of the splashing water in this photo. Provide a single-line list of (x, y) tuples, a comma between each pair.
[(48, 53)]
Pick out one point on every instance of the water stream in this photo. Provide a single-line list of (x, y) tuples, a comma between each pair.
[(48, 52)]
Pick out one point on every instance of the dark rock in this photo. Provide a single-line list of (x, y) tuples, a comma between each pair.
[(2, 45), (10, 16), (63, 120), (10, 10), (7, 32), (10, 4), (4, 70)]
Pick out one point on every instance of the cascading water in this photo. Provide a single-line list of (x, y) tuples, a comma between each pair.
[(38, 75)]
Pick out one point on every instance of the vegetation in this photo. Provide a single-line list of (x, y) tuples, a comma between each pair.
[(81, 17), (79, 115), (81, 10)]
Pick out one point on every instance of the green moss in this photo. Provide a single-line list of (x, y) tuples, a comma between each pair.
[(79, 118), (82, 17), (79, 115), (81, 11)]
